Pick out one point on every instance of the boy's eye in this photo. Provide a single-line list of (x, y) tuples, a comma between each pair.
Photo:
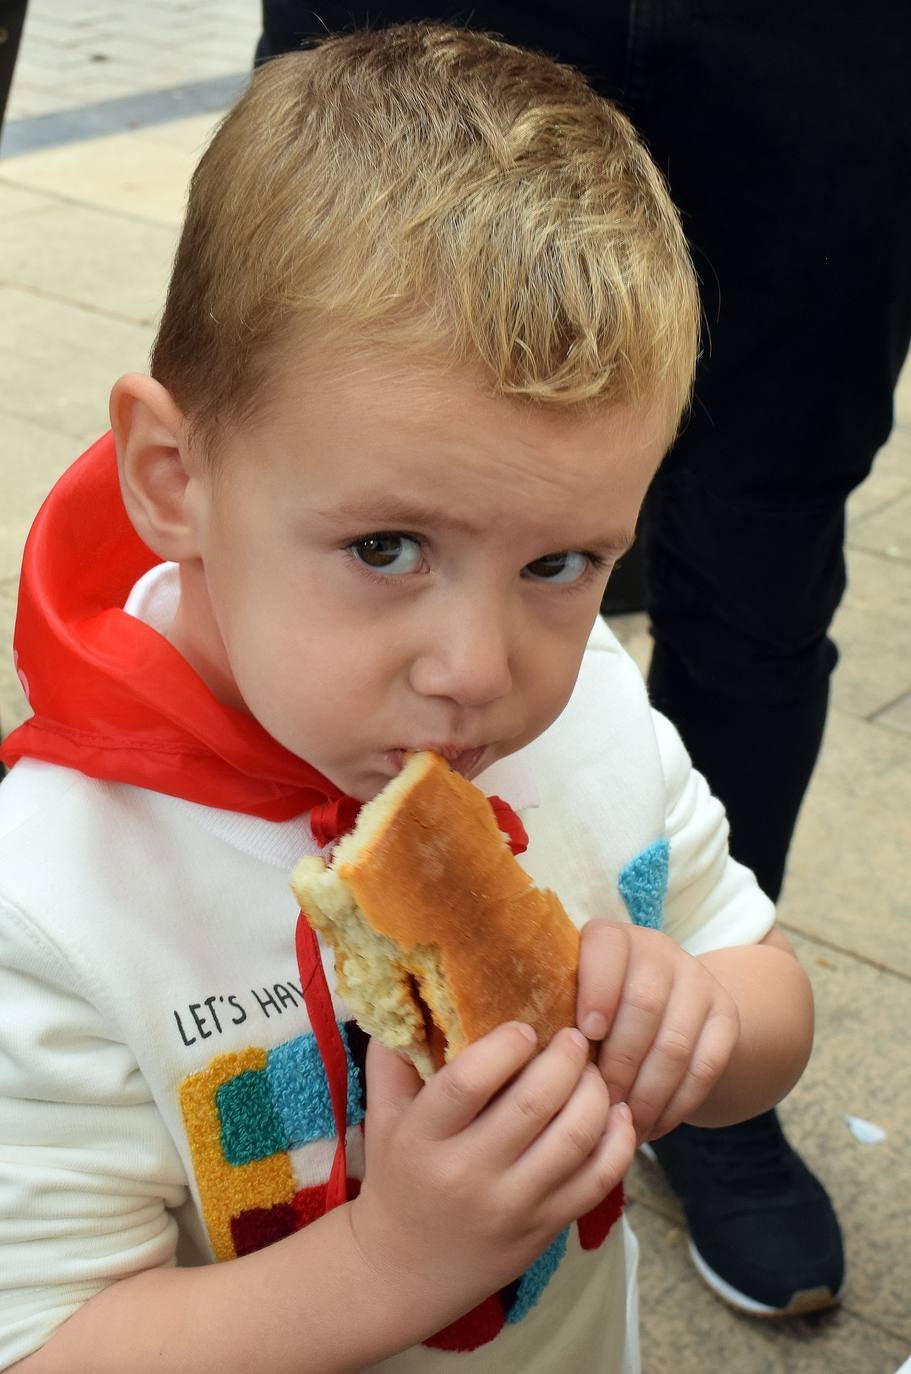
[(559, 567), (389, 553)]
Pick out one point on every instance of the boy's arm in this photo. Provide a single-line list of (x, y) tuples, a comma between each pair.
[(775, 1008), (308, 1301), (469, 1179)]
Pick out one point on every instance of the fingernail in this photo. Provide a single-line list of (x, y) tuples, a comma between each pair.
[(579, 1040), (624, 1111), (526, 1030), (594, 1025)]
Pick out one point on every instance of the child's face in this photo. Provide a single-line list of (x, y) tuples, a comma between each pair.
[(391, 561)]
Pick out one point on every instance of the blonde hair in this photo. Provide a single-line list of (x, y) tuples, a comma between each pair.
[(442, 192)]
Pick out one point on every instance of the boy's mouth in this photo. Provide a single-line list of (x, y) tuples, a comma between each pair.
[(468, 762)]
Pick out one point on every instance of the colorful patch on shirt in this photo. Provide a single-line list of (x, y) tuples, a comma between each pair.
[(643, 884), (262, 1139), (247, 1116), (537, 1277)]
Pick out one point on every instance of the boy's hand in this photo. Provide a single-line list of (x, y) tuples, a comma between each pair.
[(471, 1176), (668, 1028)]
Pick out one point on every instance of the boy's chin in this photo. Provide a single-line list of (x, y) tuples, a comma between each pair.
[(362, 784)]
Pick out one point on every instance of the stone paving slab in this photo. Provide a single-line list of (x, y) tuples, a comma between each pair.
[(887, 531), (892, 479), (55, 360), (147, 178), (190, 135), (17, 200), (847, 878), (33, 458), (873, 623), (13, 706), (898, 715), (903, 397), (121, 272)]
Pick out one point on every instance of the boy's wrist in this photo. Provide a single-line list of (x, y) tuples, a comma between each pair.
[(409, 1301)]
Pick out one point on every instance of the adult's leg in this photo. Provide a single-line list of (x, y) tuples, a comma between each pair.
[(785, 136), (12, 18)]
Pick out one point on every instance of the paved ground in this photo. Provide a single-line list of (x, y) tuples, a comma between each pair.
[(108, 112), (83, 52)]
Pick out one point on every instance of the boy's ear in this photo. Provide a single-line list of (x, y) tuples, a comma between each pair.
[(155, 466)]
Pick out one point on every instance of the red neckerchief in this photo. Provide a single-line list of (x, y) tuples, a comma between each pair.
[(113, 699)]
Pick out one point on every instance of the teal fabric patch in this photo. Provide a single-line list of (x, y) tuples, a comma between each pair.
[(300, 1090), (537, 1277), (250, 1128), (643, 884)]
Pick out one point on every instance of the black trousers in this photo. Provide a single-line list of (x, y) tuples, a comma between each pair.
[(785, 135), (12, 18)]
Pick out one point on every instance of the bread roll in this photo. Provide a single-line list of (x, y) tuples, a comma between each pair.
[(439, 935)]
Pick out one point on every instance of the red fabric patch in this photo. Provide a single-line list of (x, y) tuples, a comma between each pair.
[(310, 1203), (595, 1225), (476, 1328), (261, 1226)]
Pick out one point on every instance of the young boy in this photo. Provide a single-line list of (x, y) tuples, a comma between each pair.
[(431, 327)]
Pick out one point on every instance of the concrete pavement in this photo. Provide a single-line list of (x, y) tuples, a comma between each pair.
[(109, 110)]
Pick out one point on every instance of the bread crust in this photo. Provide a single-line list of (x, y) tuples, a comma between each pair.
[(430, 870)]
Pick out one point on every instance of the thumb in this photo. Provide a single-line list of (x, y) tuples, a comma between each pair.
[(392, 1084)]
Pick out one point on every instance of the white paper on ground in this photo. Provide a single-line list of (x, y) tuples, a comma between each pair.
[(867, 1132)]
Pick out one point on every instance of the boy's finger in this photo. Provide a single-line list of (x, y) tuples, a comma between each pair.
[(392, 1085), (461, 1090), (601, 1172), (636, 1024), (709, 1060), (539, 1093), (668, 1059), (603, 958), (568, 1140)]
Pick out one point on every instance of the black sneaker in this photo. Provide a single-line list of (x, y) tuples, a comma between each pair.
[(763, 1232)]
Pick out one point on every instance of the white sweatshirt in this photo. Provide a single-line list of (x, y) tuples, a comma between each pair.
[(161, 1096)]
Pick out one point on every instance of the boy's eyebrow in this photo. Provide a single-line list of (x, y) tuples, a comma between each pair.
[(383, 513)]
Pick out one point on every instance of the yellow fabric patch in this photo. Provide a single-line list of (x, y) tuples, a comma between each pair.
[(226, 1190)]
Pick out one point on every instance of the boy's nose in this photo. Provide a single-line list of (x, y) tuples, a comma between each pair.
[(467, 660)]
